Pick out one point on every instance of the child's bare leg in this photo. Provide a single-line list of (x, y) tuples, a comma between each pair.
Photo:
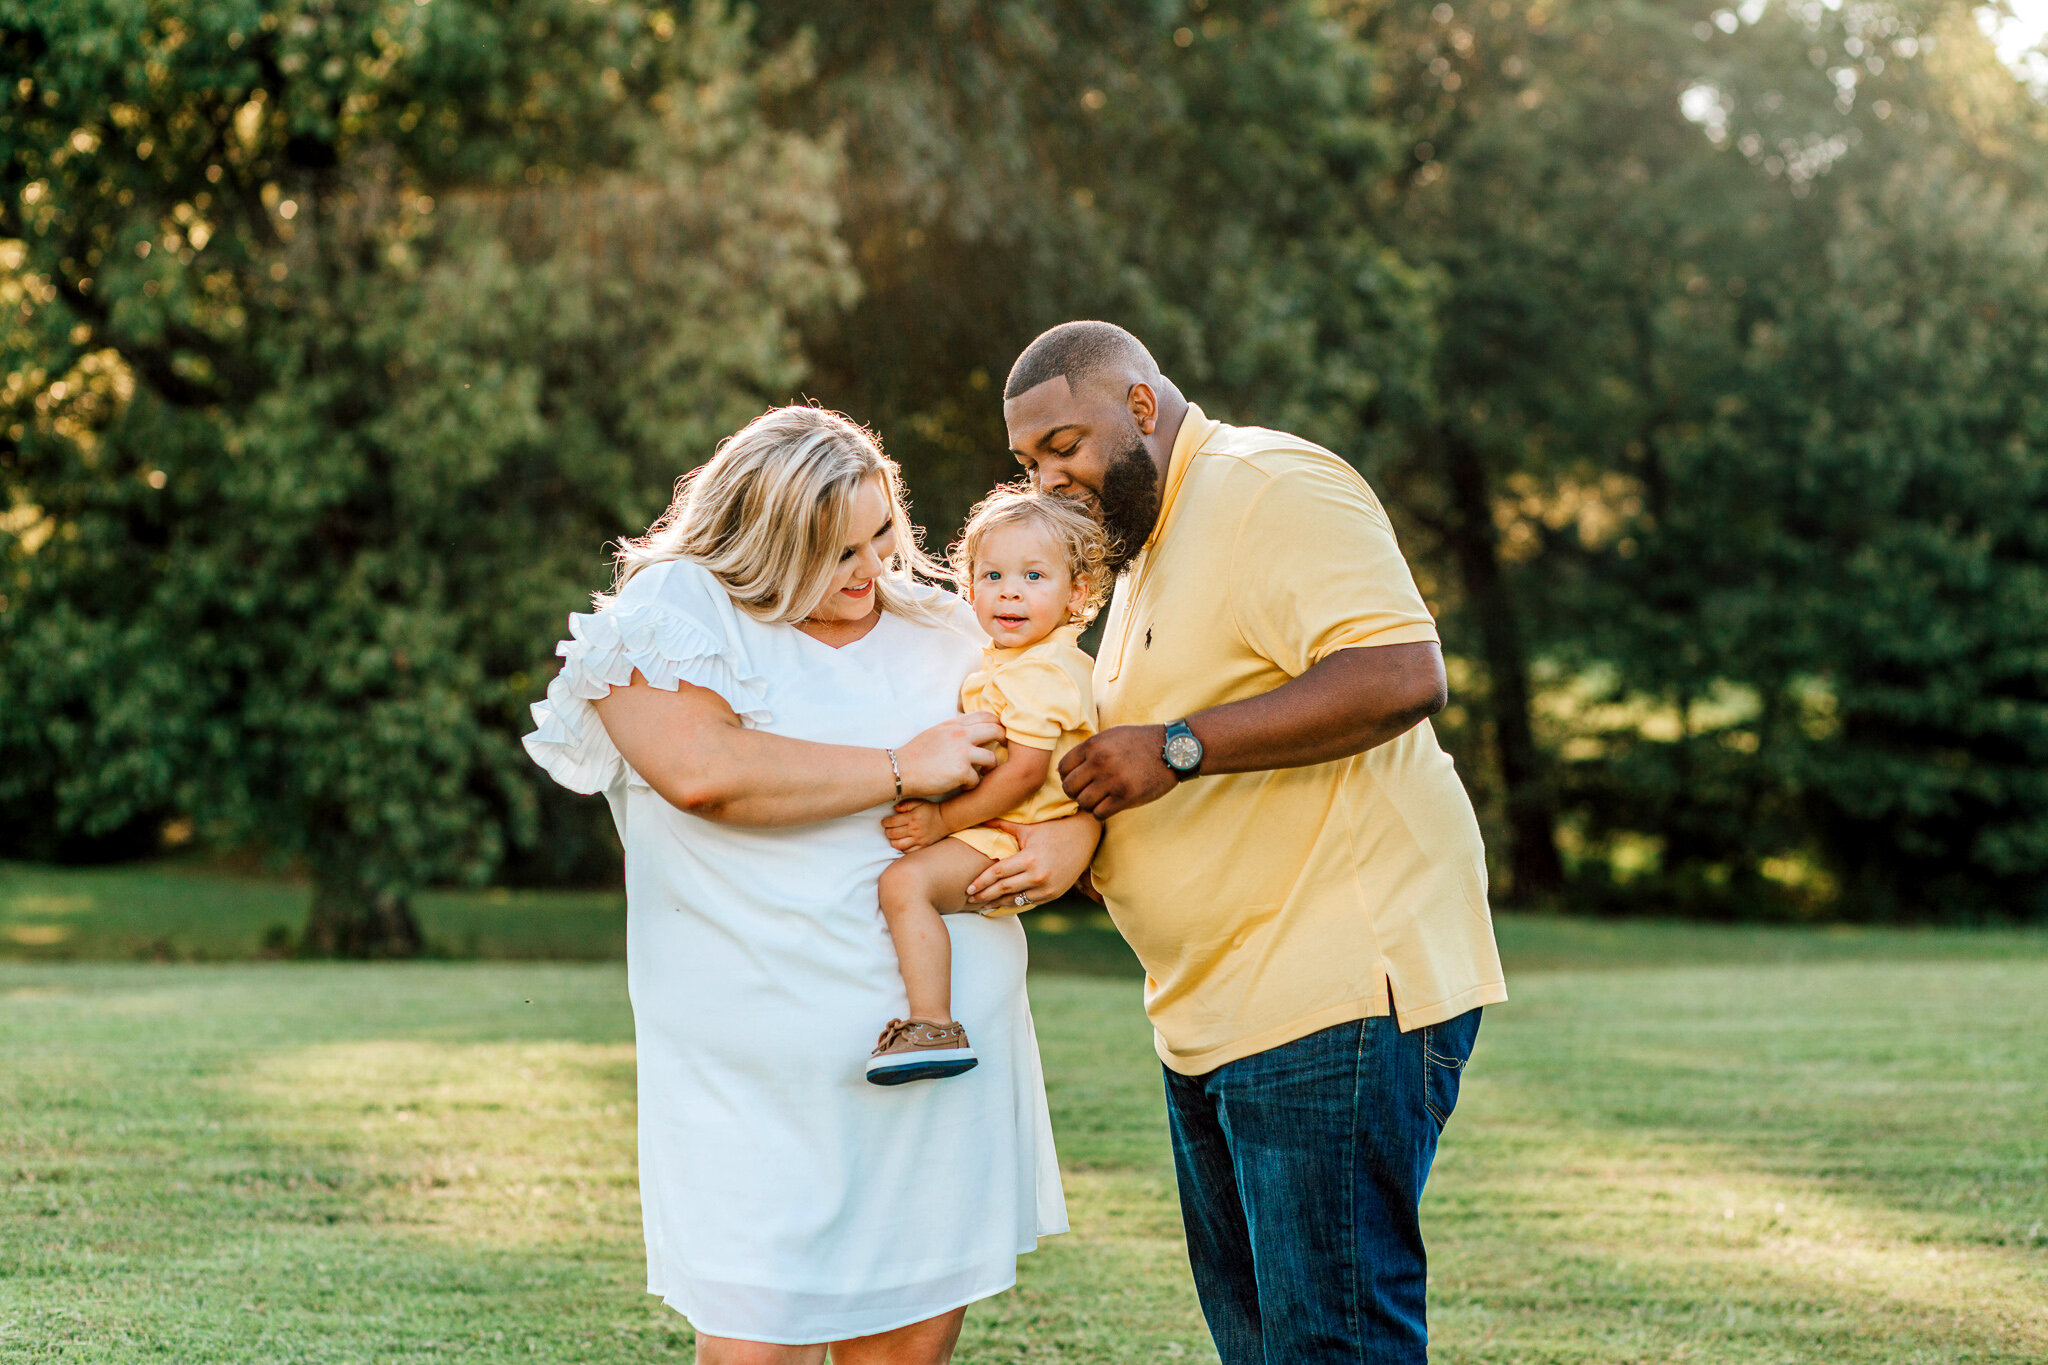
[(916, 889)]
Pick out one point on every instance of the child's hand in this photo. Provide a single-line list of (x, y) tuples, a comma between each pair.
[(916, 824)]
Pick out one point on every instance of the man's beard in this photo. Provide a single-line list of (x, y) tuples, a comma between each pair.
[(1129, 502)]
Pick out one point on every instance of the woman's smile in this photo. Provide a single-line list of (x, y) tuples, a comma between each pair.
[(861, 591)]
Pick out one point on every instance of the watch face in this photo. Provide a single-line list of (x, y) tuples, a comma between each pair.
[(1183, 752)]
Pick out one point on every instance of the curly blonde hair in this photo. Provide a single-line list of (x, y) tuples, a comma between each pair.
[(1074, 529)]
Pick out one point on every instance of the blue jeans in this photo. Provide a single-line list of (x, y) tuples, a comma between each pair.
[(1301, 1171)]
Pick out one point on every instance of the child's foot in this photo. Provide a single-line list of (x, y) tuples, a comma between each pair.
[(920, 1050)]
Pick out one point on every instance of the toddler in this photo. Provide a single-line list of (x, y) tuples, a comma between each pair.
[(1033, 567)]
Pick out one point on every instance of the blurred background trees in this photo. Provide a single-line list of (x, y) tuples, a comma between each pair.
[(341, 338), (1744, 325), (1701, 354)]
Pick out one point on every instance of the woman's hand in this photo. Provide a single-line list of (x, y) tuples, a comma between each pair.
[(950, 755), (915, 824), (1050, 858)]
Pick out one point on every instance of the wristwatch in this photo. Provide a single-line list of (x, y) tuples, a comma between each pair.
[(1182, 751)]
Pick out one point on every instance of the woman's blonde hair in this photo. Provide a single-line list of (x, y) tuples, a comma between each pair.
[(1081, 540), (771, 512)]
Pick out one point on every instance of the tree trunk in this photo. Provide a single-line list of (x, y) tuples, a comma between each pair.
[(350, 920), (1534, 868)]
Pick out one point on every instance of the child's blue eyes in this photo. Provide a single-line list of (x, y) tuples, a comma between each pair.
[(993, 575)]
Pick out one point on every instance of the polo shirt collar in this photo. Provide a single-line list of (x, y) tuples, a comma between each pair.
[(1195, 431)]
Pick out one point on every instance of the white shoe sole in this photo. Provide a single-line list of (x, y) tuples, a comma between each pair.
[(897, 1068)]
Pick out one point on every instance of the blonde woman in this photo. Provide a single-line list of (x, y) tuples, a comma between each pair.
[(762, 685)]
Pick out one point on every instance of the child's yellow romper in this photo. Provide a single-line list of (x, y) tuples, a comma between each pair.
[(1044, 696)]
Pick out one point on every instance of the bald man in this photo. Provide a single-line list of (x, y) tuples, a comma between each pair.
[(1286, 847)]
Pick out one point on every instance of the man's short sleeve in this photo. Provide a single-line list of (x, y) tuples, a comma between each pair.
[(1315, 569)]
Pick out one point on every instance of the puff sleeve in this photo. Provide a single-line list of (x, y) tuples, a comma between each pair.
[(1037, 702), (673, 623)]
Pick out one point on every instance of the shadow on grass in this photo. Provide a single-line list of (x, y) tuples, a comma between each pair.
[(220, 1164), (189, 912), (1836, 1161), (436, 1162)]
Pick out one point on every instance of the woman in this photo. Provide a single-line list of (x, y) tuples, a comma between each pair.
[(732, 698)]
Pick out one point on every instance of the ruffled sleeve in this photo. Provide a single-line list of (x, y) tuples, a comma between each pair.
[(674, 624)]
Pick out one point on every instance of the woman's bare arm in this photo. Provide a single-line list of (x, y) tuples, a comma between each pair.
[(690, 747)]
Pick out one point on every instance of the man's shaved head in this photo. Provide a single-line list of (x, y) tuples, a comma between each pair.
[(1087, 354), (1083, 406)]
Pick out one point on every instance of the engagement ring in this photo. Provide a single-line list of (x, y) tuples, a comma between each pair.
[(1022, 900)]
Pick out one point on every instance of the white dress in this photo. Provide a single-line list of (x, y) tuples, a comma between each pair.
[(785, 1199)]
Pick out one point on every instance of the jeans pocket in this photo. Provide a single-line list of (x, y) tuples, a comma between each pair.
[(1446, 1047)]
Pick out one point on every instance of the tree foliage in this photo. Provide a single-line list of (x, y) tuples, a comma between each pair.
[(1702, 354), (1206, 177), (1742, 340), (340, 338)]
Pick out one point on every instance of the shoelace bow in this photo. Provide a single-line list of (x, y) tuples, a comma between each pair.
[(896, 1029)]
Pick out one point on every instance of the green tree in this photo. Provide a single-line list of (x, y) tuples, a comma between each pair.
[(1892, 618), (1705, 347), (1202, 174), (337, 338)]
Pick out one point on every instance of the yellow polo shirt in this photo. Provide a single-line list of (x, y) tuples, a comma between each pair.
[(1268, 905)]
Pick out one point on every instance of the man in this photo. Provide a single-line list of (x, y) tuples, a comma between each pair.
[(1285, 846)]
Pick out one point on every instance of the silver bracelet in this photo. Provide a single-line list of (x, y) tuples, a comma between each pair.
[(896, 771)]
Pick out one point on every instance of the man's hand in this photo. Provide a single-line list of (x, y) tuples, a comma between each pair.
[(1048, 860), (1348, 703), (916, 824), (1118, 769)]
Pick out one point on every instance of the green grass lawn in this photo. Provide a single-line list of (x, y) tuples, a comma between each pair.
[(1694, 1145), (187, 911)]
